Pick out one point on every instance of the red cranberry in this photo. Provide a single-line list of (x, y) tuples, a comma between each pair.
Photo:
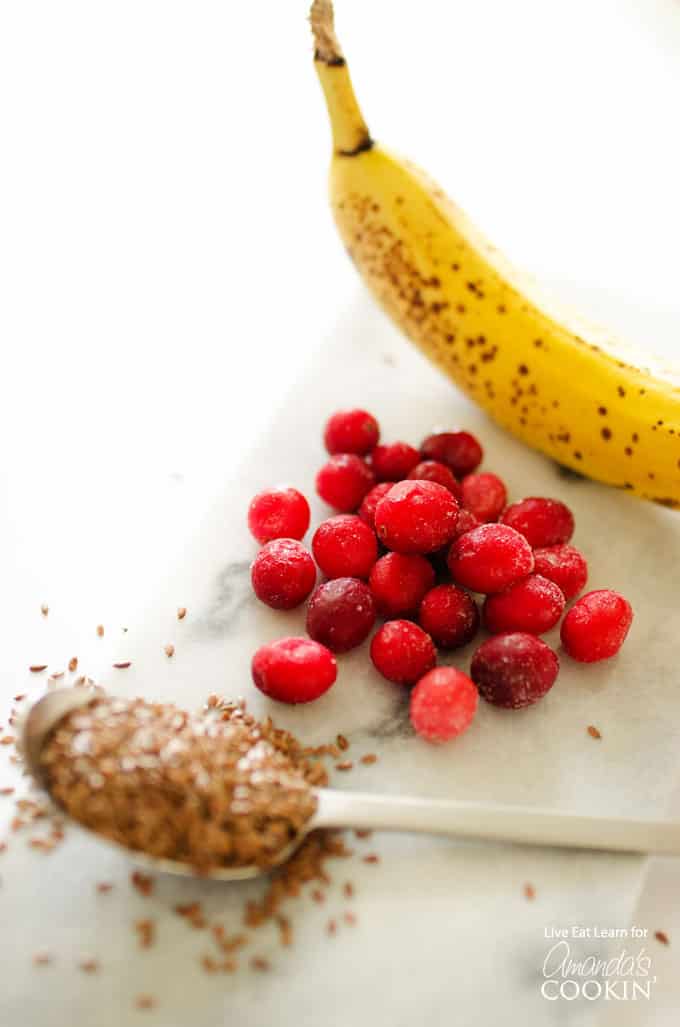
[(283, 574), (484, 495), (402, 652), (443, 704), (416, 517), (449, 615), (398, 583), (278, 513), (294, 670), (371, 499), (514, 669), (351, 431), (465, 521), (543, 522), (565, 566), (432, 470), (596, 626), (394, 461), (341, 614), (457, 449), (345, 547), (344, 481), (533, 604), (490, 558)]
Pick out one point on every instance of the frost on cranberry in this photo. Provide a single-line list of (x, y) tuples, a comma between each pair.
[(283, 574), (533, 604), (465, 521), (459, 450), (433, 470), (344, 481), (402, 652), (278, 513), (399, 581), (351, 431), (484, 495), (596, 626), (416, 517), (449, 615), (543, 522), (443, 704), (490, 558), (394, 461), (565, 566), (341, 614), (514, 669), (371, 499), (345, 547), (294, 670)]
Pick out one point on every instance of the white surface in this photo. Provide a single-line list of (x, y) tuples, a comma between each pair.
[(168, 266)]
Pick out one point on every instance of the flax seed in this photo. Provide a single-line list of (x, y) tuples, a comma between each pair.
[(662, 937), (18, 698), (346, 765), (169, 650), (342, 743), (318, 896), (331, 927), (258, 963), (349, 918), (593, 731), (144, 883), (42, 959), (362, 832), (73, 664), (100, 630), (146, 933), (145, 1002), (104, 887), (529, 892), (37, 668), (123, 665), (372, 857), (44, 609), (369, 758), (89, 966), (348, 889), (181, 613), (6, 791)]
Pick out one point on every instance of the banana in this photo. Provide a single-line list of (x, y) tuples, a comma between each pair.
[(564, 387)]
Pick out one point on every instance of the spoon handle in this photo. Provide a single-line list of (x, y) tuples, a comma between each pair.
[(522, 824)]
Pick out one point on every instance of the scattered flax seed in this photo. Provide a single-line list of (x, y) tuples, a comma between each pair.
[(89, 966), (349, 918), (123, 665), (342, 743), (6, 791), (44, 609), (144, 883), (259, 963), (56, 675), (169, 650), (331, 927), (18, 698), (369, 758), (348, 889), (146, 933), (42, 959), (529, 892), (346, 765), (104, 887), (593, 731), (37, 668), (209, 964), (100, 630), (188, 909), (181, 613), (73, 664), (145, 1002), (362, 832), (662, 937), (372, 857), (318, 896), (285, 931)]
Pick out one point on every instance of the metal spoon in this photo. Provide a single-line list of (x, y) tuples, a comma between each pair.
[(483, 821)]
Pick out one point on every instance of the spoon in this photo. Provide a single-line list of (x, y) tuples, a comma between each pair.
[(337, 809)]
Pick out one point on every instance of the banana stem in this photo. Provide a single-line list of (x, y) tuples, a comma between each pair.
[(350, 132)]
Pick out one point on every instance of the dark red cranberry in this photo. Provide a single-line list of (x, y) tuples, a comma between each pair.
[(344, 481), (399, 581), (294, 670), (514, 669), (341, 614), (351, 431), (543, 522), (283, 574), (394, 461), (449, 615), (416, 517), (596, 626), (278, 513), (457, 449), (345, 547)]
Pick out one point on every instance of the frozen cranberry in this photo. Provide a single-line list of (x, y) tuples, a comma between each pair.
[(449, 615), (465, 521), (294, 670), (344, 481), (443, 704), (371, 499), (543, 522), (278, 513), (533, 604), (514, 669), (596, 626), (432, 470), (399, 581), (565, 566), (283, 574), (457, 449), (394, 461), (341, 614), (402, 652), (490, 558), (351, 431), (484, 495), (416, 517), (345, 547)]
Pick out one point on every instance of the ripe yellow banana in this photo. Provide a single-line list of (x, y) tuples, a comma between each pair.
[(564, 388)]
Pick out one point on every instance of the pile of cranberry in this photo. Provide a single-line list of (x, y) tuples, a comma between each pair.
[(418, 531)]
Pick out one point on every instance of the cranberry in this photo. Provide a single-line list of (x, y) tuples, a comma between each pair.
[(533, 604), (345, 547), (402, 652), (543, 522), (393, 462), (457, 449), (416, 517), (514, 669), (465, 521), (596, 626), (283, 574), (371, 499), (278, 513), (565, 566), (484, 495), (432, 470), (351, 431), (294, 670), (449, 615), (399, 581), (443, 704), (490, 558), (344, 481), (341, 614)]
